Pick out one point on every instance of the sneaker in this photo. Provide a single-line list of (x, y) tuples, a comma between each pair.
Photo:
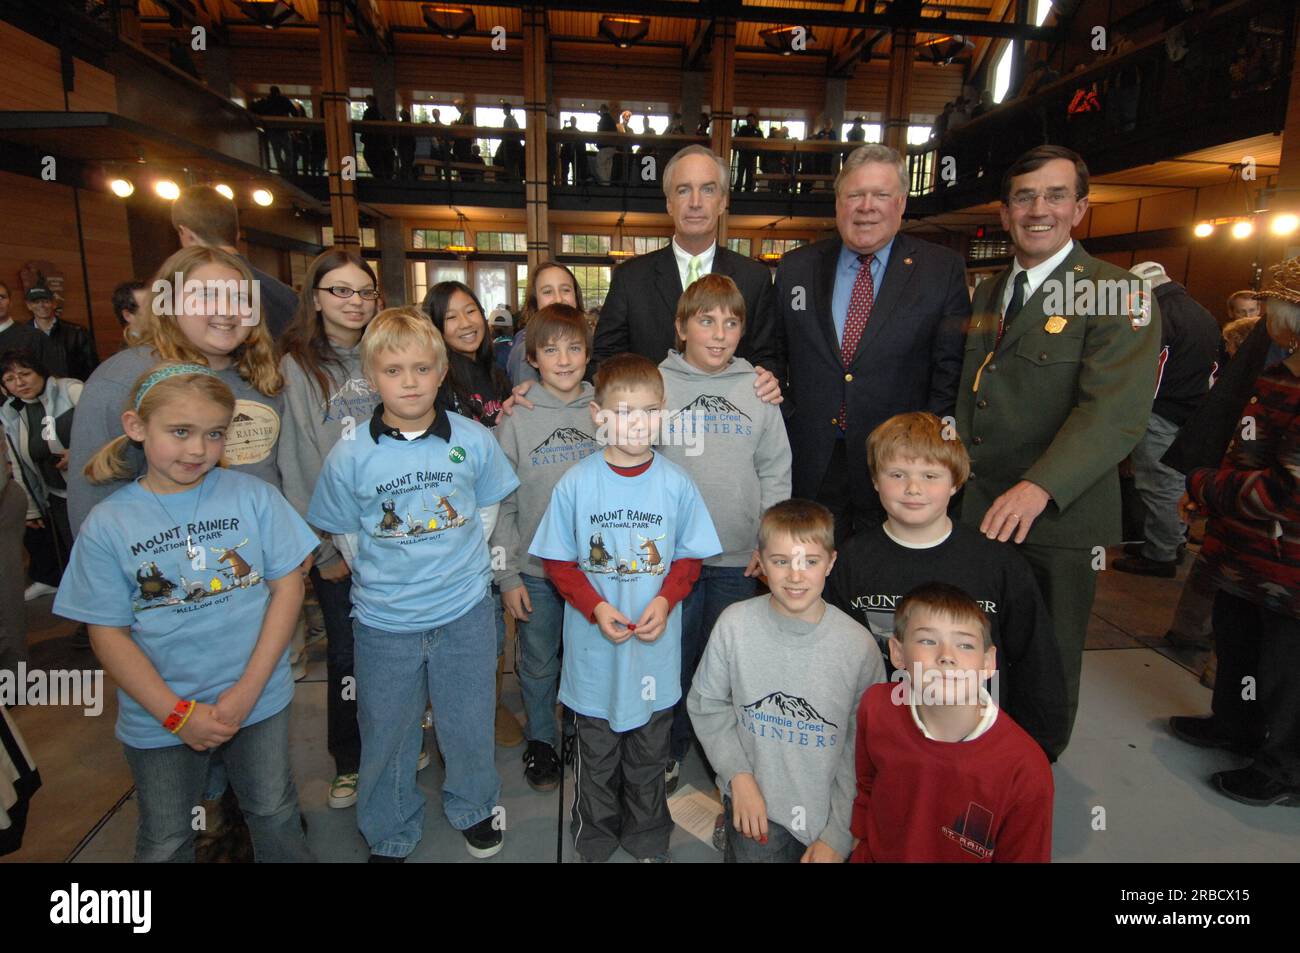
[(385, 859), (720, 833), (664, 858), (36, 590), (1202, 733), (343, 790), (672, 774), (541, 767), (1254, 787), (1141, 566), (483, 840)]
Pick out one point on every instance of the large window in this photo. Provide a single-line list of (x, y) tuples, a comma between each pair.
[(368, 239), (594, 282), (423, 112), (796, 127), (584, 244), (918, 135), (425, 274), (740, 246), (437, 237), (779, 246), (501, 241), (873, 130), (644, 244), (1002, 74), (586, 122)]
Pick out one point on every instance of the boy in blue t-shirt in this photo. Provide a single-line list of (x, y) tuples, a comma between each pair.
[(622, 542), (411, 499)]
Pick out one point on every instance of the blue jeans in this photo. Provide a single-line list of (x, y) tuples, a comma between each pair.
[(1160, 488), (539, 659), (454, 667), (782, 847), (170, 781), (717, 588)]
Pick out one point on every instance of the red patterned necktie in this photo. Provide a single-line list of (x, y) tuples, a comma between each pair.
[(860, 304)]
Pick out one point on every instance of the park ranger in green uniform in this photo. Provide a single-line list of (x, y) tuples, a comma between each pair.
[(1057, 383)]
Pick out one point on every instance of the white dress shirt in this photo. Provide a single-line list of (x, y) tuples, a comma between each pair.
[(684, 261), (1037, 275)]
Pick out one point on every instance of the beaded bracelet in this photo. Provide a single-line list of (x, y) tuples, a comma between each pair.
[(180, 714)]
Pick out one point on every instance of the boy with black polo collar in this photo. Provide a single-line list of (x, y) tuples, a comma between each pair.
[(411, 501)]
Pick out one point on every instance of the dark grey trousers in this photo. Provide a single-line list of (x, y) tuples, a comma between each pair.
[(621, 799)]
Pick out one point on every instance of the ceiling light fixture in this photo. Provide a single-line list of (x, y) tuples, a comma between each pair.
[(780, 39), (270, 14), (448, 21), (623, 31)]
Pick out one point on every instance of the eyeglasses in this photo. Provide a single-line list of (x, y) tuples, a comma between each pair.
[(1053, 197), (344, 292)]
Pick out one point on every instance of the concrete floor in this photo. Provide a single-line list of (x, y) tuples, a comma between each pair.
[(1126, 790)]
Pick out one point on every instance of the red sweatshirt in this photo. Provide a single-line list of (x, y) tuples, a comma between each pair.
[(989, 799)]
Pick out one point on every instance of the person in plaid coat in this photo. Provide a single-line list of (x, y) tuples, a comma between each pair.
[(1252, 550)]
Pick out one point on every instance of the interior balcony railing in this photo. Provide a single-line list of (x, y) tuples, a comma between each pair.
[(1218, 77)]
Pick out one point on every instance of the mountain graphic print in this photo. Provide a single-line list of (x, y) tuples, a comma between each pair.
[(712, 404), (792, 706)]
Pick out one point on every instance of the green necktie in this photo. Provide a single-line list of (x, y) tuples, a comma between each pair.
[(693, 271)]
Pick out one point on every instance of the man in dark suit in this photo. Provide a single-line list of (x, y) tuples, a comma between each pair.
[(639, 310), (1056, 389), (872, 323)]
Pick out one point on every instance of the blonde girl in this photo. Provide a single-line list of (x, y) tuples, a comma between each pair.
[(204, 309), (190, 579)]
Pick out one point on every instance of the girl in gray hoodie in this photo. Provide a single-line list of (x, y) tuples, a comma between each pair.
[(327, 398)]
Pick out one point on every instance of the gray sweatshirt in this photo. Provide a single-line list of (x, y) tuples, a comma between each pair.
[(542, 444), (313, 425), (731, 444), (250, 442), (778, 698)]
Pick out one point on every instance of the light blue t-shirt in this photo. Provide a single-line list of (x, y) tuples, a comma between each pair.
[(624, 533), (421, 559), (187, 573)]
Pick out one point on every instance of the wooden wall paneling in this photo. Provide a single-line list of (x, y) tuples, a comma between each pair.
[(49, 233), (32, 79), (1174, 258), (1168, 210), (1118, 219)]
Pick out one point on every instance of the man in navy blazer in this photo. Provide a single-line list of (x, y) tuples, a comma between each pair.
[(641, 305), (909, 356)]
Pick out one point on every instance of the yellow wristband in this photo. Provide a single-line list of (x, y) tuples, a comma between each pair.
[(193, 704)]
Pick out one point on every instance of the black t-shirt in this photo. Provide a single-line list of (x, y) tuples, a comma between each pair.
[(873, 572), (481, 399)]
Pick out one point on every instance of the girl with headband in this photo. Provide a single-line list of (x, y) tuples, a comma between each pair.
[(190, 579)]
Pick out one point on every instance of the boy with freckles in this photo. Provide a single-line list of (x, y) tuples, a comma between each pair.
[(622, 542)]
